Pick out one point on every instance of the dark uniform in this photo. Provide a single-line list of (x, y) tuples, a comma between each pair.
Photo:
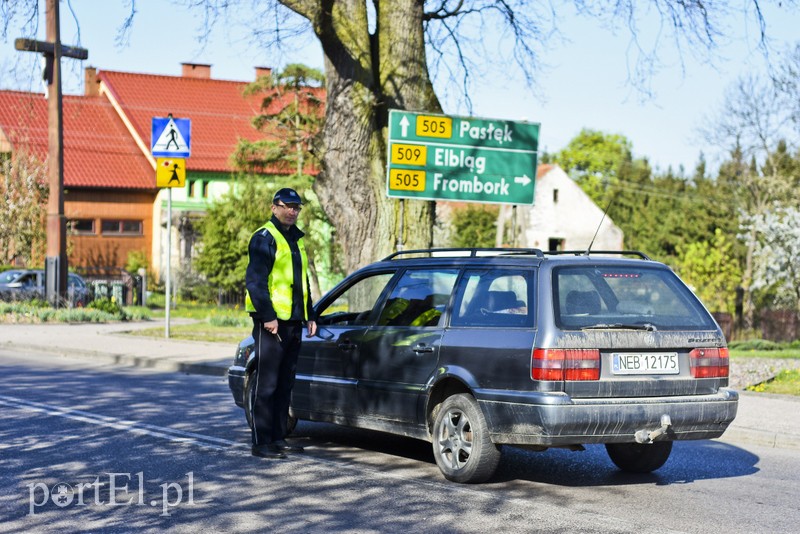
[(275, 283)]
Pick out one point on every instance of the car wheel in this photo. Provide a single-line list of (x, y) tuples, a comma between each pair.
[(462, 447), (639, 457), (250, 398)]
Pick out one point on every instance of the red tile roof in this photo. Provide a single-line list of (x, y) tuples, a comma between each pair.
[(98, 150), (543, 169), (219, 112)]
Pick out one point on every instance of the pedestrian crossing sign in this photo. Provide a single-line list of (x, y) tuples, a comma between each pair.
[(170, 172), (170, 137)]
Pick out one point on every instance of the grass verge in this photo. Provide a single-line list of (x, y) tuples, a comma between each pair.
[(755, 353), (203, 331), (787, 382)]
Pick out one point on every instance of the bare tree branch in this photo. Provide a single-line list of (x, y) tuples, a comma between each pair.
[(123, 37)]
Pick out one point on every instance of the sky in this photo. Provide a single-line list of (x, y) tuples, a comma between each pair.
[(584, 85)]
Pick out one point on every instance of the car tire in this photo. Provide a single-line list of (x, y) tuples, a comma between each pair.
[(639, 457), (250, 398), (462, 446)]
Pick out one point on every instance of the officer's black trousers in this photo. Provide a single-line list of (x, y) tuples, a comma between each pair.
[(276, 362)]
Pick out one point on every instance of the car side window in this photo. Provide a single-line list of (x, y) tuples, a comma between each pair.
[(494, 297), (419, 298), (355, 304)]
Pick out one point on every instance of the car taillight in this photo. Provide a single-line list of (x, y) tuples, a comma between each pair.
[(565, 364), (709, 363)]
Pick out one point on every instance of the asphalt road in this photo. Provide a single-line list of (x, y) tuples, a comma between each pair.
[(93, 447)]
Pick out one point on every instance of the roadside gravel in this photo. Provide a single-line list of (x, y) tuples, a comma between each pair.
[(751, 371)]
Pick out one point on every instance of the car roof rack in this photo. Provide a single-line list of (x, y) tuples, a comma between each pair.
[(467, 252), (637, 253)]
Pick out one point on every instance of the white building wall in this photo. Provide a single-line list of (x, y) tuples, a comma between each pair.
[(561, 210)]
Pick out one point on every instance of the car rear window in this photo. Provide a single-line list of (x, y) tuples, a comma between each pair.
[(598, 296)]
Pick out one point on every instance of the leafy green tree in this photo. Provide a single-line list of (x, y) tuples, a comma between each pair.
[(754, 122), (593, 159), (25, 191), (709, 267), (231, 221), (226, 231), (292, 116), (474, 226)]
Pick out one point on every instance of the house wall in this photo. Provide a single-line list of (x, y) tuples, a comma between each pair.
[(104, 249), (188, 203), (563, 212)]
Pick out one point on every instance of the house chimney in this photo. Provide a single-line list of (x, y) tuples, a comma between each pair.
[(263, 71), (196, 70), (91, 86)]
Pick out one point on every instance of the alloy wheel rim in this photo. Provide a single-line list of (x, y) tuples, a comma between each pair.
[(455, 439)]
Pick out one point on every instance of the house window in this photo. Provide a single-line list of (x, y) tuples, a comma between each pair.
[(555, 196), (205, 189), (81, 226), (191, 188), (554, 244), (121, 227)]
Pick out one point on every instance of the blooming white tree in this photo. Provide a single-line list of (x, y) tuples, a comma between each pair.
[(777, 249)]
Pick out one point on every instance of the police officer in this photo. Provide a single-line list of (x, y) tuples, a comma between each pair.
[(279, 301)]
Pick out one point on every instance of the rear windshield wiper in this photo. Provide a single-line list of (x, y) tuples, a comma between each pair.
[(621, 326)]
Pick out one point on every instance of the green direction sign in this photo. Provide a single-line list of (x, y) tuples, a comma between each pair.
[(438, 157)]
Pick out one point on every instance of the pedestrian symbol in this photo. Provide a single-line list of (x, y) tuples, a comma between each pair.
[(171, 137), (170, 172)]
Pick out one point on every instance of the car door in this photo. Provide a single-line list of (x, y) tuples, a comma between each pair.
[(492, 326), (326, 376), (400, 352)]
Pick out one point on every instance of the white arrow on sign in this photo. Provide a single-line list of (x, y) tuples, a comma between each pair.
[(524, 180), (404, 124)]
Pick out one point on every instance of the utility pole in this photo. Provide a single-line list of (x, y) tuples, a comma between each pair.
[(52, 50)]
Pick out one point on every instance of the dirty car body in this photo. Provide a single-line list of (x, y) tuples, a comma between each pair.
[(517, 348)]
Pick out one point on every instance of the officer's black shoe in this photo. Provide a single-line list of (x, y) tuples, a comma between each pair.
[(282, 445), (269, 450)]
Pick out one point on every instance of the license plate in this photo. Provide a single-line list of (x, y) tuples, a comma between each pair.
[(650, 363)]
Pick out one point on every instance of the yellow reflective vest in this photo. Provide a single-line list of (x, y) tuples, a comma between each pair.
[(281, 278)]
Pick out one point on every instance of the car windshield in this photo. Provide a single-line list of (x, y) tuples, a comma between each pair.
[(9, 276), (629, 297)]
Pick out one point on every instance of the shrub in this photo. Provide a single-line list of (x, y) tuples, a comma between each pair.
[(107, 305), (239, 320), (84, 315), (138, 313)]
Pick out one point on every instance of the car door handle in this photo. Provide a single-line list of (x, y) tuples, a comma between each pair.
[(346, 345), (419, 349)]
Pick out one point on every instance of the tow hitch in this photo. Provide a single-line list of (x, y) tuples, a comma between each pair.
[(646, 436)]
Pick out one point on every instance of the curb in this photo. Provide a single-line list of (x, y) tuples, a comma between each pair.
[(764, 438)]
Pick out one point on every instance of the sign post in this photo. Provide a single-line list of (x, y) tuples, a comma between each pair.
[(438, 157), (170, 142)]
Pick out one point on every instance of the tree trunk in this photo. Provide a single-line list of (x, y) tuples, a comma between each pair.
[(366, 76)]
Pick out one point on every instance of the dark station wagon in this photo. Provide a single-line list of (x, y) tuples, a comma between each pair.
[(472, 349)]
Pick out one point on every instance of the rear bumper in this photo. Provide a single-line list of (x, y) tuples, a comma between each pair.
[(554, 419), (236, 375)]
